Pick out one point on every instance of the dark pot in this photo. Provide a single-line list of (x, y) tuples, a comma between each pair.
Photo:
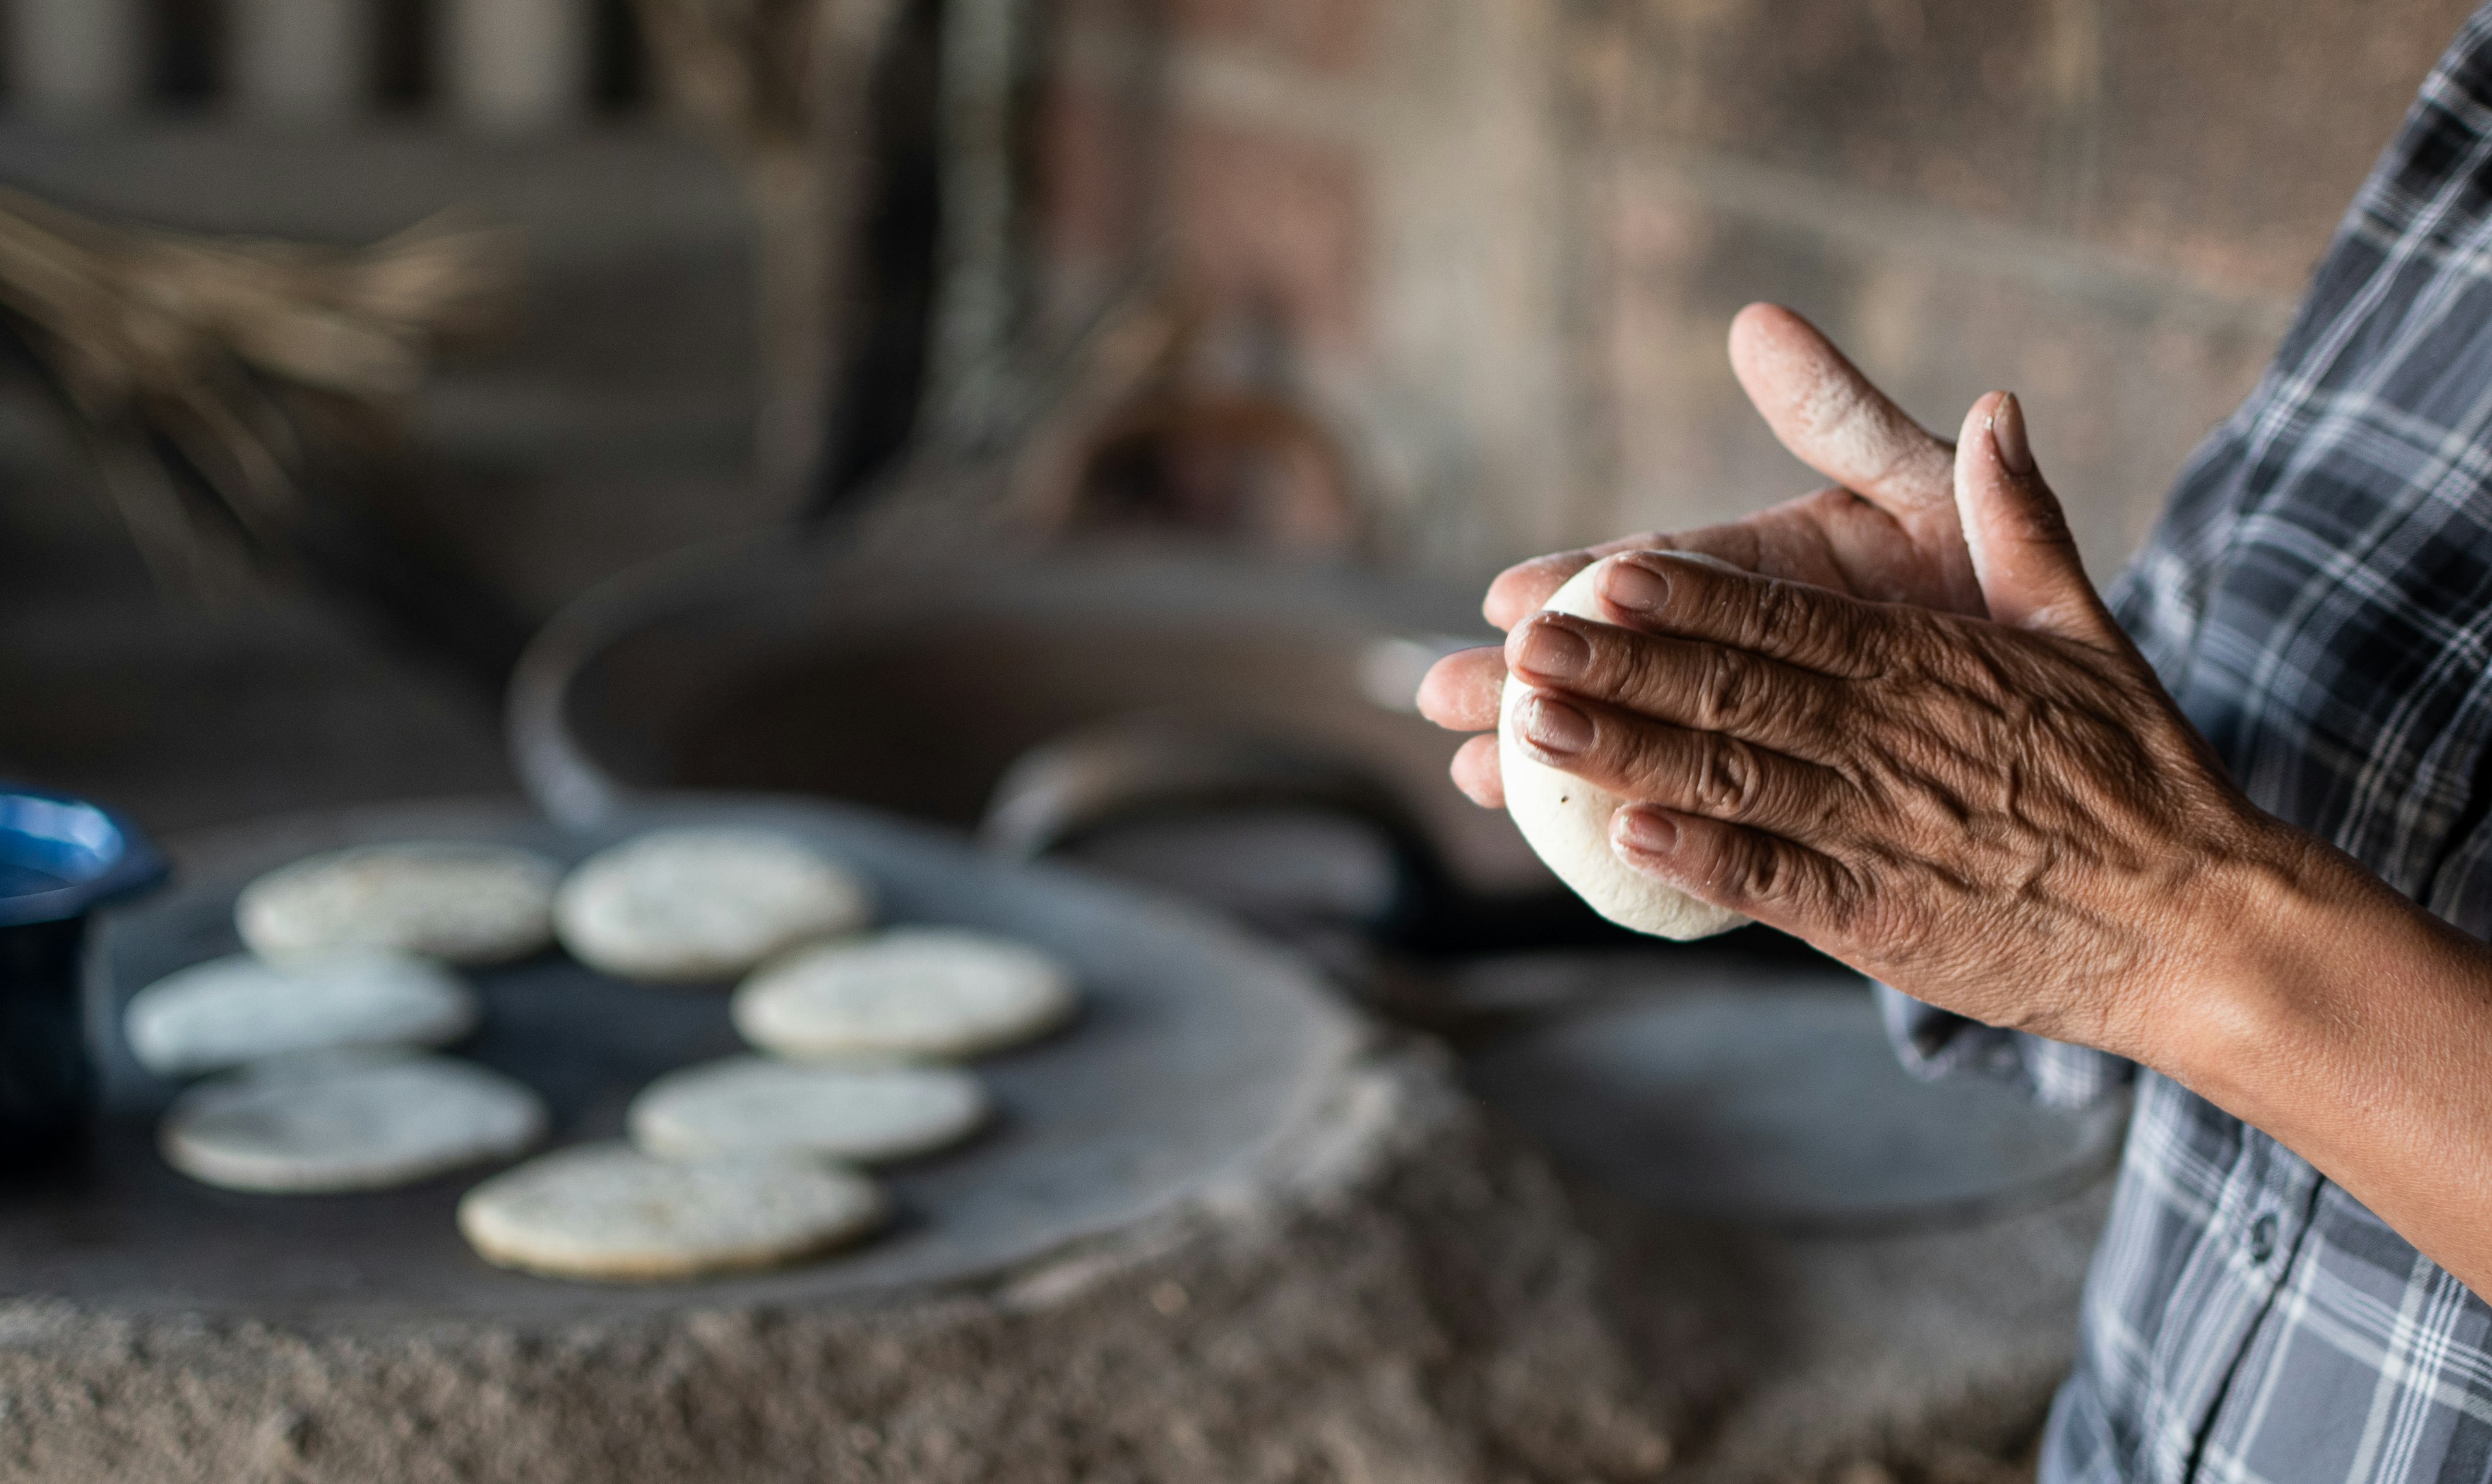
[(60, 859), (1036, 699)]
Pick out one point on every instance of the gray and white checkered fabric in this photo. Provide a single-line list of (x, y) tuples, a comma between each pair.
[(2319, 597)]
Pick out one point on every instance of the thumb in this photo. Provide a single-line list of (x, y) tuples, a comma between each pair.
[(2022, 553)]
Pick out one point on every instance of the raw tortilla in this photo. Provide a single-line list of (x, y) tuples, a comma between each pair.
[(224, 1013), (609, 1212), (926, 993), (692, 905), (1567, 820), (751, 1105), (466, 902), (348, 1120)]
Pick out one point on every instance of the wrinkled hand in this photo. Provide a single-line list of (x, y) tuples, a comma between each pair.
[(1888, 533), (2006, 817)]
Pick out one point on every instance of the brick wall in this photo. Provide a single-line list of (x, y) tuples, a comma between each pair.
[(1500, 240)]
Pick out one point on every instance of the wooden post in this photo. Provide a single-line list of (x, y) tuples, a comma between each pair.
[(77, 59), (515, 65), (300, 61), (811, 202), (976, 309), (785, 86)]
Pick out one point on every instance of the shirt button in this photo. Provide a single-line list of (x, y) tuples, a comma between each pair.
[(2262, 1235)]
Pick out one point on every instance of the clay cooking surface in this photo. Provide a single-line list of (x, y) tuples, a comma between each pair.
[(1197, 1049)]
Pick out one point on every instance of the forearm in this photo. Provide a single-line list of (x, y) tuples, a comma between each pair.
[(2354, 1027)]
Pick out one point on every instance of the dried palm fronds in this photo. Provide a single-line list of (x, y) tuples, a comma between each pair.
[(195, 363)]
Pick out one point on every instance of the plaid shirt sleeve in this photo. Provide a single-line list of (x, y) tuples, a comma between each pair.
[(2319, 600)]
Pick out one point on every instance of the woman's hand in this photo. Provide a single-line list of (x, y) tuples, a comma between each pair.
[(2005, 816), (2009, 818), (1887, 533)]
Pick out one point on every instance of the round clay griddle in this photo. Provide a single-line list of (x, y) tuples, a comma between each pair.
[(1197, 1049), (1704, 1084)]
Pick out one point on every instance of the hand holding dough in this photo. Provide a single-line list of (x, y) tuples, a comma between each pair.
[(1567, 820)]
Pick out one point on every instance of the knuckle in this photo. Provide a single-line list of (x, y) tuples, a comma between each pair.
[(1762, 874), (1728, 782), (1627, 667), (1727, 692), (1789, 618), (1769, 614)]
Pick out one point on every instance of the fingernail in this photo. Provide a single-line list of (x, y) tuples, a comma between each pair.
[(1555, 727), (1635, 587), (1647, 831), (2007, 435), (1554, 651)]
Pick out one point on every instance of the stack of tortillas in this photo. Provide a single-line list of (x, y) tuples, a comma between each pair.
[(343, 1121), (914, 994), (690, 905), (462, 903), (320, 1045), (316, 1042), (761, 1161)]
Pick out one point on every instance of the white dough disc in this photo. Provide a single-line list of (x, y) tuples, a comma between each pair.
[(226, 1012), (751, 1105), (1567, 820), (922, 994), (609, 1212), (685, 906), (464, 902), (346, 1121)]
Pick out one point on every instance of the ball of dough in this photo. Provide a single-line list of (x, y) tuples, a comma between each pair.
[(752, 1105), (1567, 820), (466, 902), (348, 1121), (227, 1012), (925, 994), (688, 905), (607, 1212)]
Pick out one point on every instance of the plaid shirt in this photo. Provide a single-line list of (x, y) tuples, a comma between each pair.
[(2319, 598)]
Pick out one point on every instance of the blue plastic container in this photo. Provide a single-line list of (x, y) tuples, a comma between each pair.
[(60, 859)]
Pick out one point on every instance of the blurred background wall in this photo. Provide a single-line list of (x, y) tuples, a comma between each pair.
[(1495, 242), (1508, 235)]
